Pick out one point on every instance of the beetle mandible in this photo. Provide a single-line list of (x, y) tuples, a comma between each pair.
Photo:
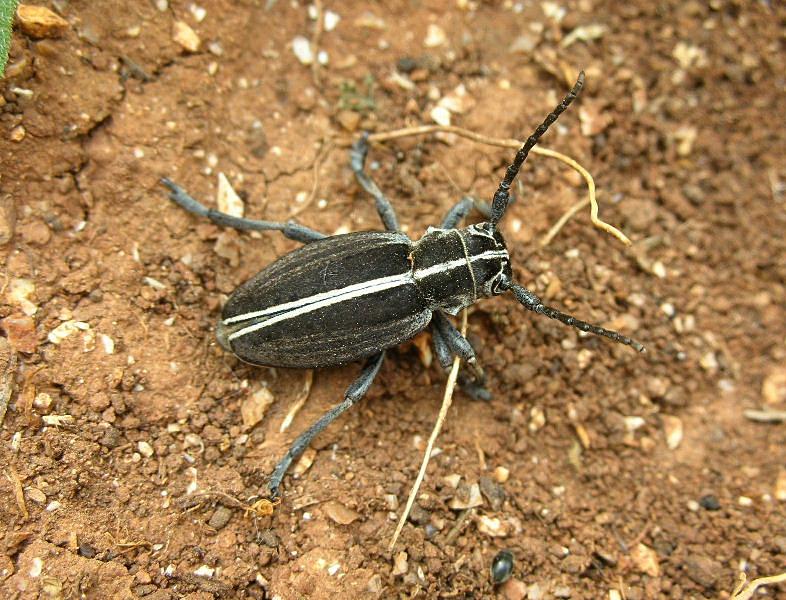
[(349, 297)]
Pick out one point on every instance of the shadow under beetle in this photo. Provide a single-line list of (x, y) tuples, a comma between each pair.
[(344, 298)]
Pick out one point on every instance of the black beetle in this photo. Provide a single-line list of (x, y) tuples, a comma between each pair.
[(502, 567), (349, 297)]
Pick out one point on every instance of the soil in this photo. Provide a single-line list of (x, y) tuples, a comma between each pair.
[(130, 460)]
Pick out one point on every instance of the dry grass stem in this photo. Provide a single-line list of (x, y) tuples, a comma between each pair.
[(513, 143), (447, 399), (745, 594), (298, 404)]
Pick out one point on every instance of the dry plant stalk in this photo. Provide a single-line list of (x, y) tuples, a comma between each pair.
[(512, 143), (447, 399), (298, 404), (746, 594)]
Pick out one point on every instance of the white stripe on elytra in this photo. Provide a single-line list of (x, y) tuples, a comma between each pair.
[(313, 299), (318, 301), (334, 297), (452, 264)]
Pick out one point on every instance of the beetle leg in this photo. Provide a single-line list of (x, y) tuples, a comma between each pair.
[(291, 229), (357, 160), (457, 343), (456, 214), (472, 387), (448, 342), (354, 392)]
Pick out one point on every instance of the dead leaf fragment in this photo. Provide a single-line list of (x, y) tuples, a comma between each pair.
[(253, 408), (227, 199), (584, 33), (40, 22), (339, 513)]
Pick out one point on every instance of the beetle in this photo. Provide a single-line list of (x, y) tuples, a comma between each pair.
[(345, 298)]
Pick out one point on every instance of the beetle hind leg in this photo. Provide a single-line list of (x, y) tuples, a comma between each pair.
[(354, 392), (357, 160), (291, 229)]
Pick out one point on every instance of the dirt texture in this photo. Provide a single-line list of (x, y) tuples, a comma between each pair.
[(132, 449)]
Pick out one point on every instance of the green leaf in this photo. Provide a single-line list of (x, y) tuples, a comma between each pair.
[(7, 10)]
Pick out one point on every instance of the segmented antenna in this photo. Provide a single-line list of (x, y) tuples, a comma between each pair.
[(502, 195), (531, 302)]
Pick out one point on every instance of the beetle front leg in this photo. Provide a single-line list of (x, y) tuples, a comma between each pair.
[(354, 393), (357, 160), (291, 229), (445, 351)]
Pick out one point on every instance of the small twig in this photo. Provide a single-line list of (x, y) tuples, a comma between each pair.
[(7, 374), (315, 40), (512, 143), (319, 160), (747, 593), (443, 412), (453, 533), (766, 415), (19, 491), (298, 404)]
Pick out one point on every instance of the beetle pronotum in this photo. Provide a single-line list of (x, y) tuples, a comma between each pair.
[(345, 298)]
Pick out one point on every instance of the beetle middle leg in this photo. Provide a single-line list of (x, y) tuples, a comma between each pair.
[(354, 392), (357, 160), (291, 229)]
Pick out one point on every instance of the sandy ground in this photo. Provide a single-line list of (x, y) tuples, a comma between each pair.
[(128, 451)]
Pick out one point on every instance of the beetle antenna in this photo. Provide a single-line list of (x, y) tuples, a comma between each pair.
[(502, 195), (531, 302)]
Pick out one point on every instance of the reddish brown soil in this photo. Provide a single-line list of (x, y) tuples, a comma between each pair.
[(683, 131)]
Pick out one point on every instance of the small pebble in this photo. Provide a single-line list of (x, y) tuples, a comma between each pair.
[(302, 49), (331, 20), (400, 564), (440, 115), (40, 22), (185, 37), (339, 513), (501, 474), (145, 449), (18, 133), (220, 517), (435, 36), (709, 502), (502, 567)]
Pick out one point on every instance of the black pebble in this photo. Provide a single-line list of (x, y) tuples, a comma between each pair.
[(710, 502)]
